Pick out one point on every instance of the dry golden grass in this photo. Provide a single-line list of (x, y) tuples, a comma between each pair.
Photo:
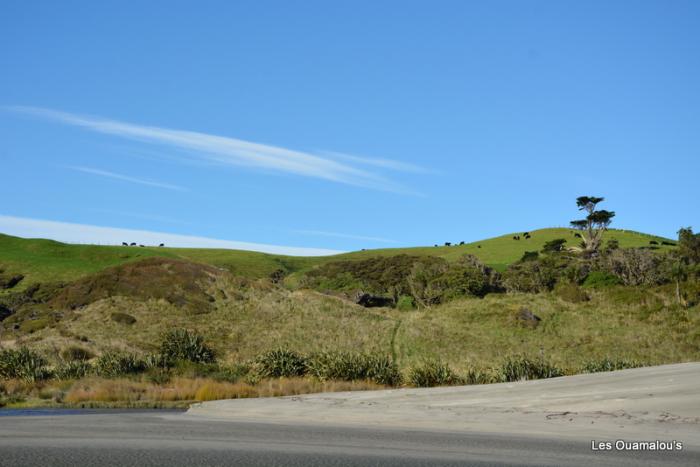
[(129, 392)]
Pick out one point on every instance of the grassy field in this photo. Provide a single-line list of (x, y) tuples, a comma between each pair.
[(126, 298), (49, 261), (624, 322)]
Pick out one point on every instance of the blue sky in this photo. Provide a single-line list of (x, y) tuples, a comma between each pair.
[(345, 125)]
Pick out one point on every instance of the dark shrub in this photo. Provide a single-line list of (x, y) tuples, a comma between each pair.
[(113, 364), (433, 373), (75, 353), (524, 368), (529, 256), (23, 364), (280, 362), (554, 246), (531, 276), (181, 344), (123, 318), (599, 279)]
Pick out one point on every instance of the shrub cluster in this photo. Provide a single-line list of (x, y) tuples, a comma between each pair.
[(280, 363), (113, 364), (181, 344), (74, 369), (433, 373), (518, 368), (24, 364), (354, 366)]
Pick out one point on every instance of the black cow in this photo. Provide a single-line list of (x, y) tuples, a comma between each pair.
[(162, 244), (142, 246), (448, 244), (132, 244), (125, 244)]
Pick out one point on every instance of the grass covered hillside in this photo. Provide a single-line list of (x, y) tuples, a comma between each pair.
[(40, 260), (130, 326)]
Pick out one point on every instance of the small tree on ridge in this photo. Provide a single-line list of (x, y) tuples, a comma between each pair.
[(594, 225)]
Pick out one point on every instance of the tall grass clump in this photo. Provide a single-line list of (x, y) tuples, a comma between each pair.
[(113, 364), (74, 369), (24, 364), (353, 367), (181, 344), (520, 368), (76, 353), (432, 373), (609, 364), (280, 362)]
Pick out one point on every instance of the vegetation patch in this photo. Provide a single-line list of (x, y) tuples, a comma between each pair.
[(122, 318), (521, 368), (610, 364), (181, 283), (432, 373), (24, 364)]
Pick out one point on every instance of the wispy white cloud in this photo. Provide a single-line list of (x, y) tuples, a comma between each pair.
[(91, 234), (322, 233), (232, 151), (383, 163), (126, 178)]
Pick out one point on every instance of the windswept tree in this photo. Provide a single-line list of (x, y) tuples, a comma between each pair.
[(594, 224)]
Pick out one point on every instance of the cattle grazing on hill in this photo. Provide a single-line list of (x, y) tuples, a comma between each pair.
[(162, 244), (125, 244), (448, 244), (132, 244)]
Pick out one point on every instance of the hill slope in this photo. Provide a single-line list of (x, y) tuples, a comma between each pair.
[(42, 260)]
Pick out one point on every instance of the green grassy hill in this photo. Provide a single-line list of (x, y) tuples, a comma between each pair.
[(42, 260)]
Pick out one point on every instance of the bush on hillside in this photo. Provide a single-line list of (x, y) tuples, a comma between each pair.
[(280, 363), (636, 266), (600, 279), (531, 276), (378, 275), (354, 366), (441, 282), (432, 373), (24, 364), (181, 344), (529, 256), (75, 353), (74, 369), (520, 368), (113, 364)]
